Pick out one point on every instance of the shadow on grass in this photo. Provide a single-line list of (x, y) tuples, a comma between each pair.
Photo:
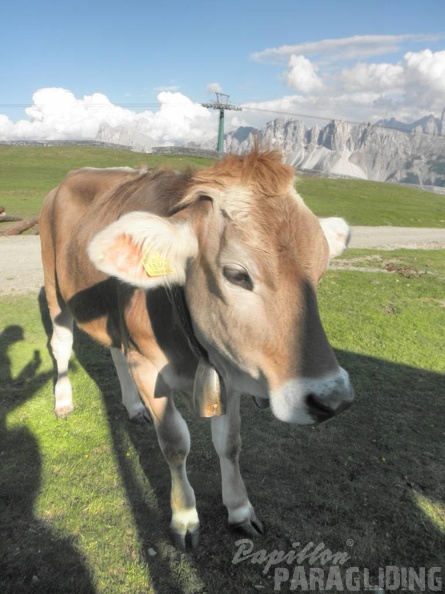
[(353, 484), (165, 570), (32, 558)]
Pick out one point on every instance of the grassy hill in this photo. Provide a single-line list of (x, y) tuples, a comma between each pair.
[(372, 203), (28, 173)]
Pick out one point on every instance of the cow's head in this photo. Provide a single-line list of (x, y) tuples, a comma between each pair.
[(249, 254)]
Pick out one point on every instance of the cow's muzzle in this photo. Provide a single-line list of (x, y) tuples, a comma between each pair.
[(321, 411), (305, 401)]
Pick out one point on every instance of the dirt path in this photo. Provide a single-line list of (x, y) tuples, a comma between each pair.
[(391, 238), (21, 267), (20, 264)]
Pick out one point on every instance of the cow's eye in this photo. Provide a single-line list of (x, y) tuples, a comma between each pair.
[(204, 198), (238, 276)]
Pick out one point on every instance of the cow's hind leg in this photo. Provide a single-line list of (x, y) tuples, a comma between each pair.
[(130, 395), (227, 441), (62, 321), (174, 441), (62, 345)]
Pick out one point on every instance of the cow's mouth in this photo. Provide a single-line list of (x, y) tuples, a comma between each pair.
[(321, 412), (261, 403)]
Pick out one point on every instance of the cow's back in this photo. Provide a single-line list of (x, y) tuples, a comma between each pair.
[(66, 210), (85, 202)]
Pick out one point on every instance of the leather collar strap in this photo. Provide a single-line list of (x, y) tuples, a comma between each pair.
[(178, 296)]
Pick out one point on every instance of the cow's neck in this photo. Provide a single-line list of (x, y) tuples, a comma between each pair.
[(207, 396), (178, 297)]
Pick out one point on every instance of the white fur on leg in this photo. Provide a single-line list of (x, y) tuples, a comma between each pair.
[(130, 395), (174, 440), (227, 443), (61, 345), (184, 520)]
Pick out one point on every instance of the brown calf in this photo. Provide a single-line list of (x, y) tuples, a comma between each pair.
[(214, 271)]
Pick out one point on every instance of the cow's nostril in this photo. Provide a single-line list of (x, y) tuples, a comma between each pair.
[(319, 410)]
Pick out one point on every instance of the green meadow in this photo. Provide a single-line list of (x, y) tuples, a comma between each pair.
[(84, 503), (27, 174)]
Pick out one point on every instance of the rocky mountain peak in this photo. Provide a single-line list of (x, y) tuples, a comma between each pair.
[(387, 151)]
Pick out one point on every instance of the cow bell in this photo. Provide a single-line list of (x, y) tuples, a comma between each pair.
[(207, 391)]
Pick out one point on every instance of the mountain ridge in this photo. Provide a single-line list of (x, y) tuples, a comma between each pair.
[(415, 154)]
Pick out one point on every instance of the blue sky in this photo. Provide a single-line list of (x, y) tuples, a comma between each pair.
[(130, 52)]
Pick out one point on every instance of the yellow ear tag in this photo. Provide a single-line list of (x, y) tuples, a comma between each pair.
[(155, 264)]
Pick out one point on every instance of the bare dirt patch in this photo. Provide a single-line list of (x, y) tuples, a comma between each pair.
[(378, 264)]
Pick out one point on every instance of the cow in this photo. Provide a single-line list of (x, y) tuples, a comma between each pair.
[(203, 285)]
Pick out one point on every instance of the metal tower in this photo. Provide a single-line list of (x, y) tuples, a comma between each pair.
[(221, 103)]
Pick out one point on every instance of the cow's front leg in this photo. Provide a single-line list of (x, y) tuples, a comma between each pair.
[(174, 440), (130, 395), (227, 441)]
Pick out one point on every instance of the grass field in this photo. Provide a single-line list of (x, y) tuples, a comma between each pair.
[(85, 502), (373, 203), (28, 173)]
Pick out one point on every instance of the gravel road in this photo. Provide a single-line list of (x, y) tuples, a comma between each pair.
[(21, 268)]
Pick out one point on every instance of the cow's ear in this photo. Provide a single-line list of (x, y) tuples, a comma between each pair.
[(144, 250), (337, 233)]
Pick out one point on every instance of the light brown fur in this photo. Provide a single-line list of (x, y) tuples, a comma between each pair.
[(264, 336)]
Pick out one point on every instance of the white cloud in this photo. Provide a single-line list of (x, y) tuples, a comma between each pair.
[(377, 77), (6, 128), (214, 87), (407, 89), (336, 77), (424, 78), (347, 48), (318, 108), (418, 80), (179, 120), (56, 114), (302, 75)]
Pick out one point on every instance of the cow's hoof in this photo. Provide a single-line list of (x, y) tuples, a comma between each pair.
[(189, 540), (63, 412), (142, 417), (253, 527)]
